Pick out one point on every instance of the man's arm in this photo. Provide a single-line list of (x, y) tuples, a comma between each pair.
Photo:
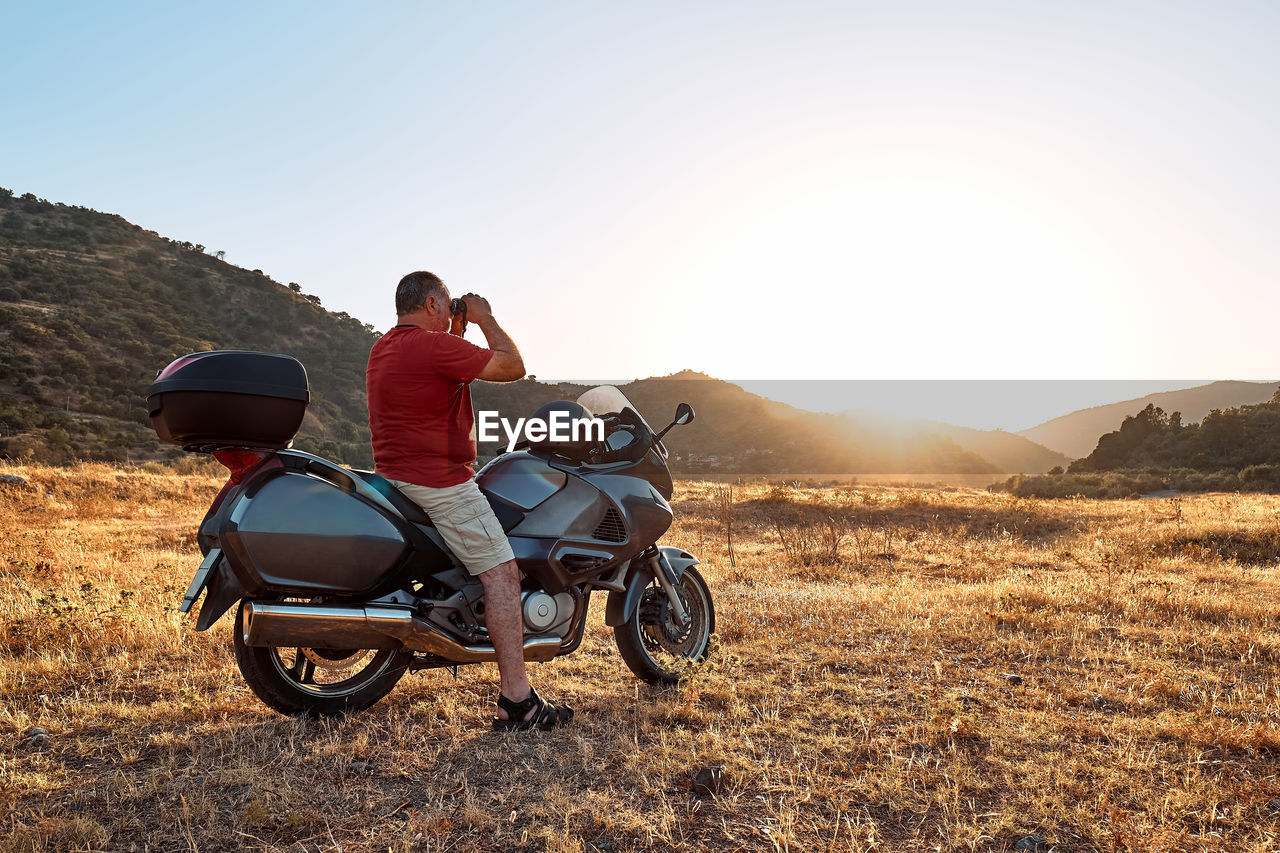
[(506, 365)]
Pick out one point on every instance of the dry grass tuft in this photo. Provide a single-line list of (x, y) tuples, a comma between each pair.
[(897, 669)]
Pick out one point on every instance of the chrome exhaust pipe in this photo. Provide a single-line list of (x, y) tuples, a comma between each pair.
[(327, 626)]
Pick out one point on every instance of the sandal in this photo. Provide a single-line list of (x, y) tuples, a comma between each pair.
[(546, 717)]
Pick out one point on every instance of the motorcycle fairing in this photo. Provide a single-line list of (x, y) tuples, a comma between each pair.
[(576, 522), (645, 511), (579, 507), (521, 480), (531, 554)]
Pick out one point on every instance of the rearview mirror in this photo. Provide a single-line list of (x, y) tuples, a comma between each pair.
[(684, 415)]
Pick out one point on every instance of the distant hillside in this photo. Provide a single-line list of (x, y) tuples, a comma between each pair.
[(1077, 434), (1006, 451), (92, 306), (1232, 439), (1236, 449), (739, 432)]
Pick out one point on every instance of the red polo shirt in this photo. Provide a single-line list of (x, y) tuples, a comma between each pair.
[(420, 405)]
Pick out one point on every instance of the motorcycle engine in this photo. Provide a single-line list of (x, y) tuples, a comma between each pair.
[(544, 613)]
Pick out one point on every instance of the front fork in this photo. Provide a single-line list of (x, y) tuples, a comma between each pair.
[(666, 577), (662, 563)]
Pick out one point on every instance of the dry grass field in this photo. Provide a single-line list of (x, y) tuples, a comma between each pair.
[(897, 669)]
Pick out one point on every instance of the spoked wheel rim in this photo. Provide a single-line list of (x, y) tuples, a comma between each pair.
[(330, 673), (327, 673), (668, 643)]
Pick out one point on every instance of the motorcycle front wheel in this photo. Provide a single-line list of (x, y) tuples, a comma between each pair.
[(318, 682), (655, 646)]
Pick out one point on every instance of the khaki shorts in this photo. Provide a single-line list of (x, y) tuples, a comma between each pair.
[(466, 523)]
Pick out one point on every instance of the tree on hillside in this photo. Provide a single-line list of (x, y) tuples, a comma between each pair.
[(1226, 440), (1115, 448)]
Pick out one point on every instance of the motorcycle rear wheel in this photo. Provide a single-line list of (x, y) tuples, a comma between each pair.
[(657, 649), (318, 682)]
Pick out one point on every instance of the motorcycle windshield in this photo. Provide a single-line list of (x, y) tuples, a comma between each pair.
[(608, 400)]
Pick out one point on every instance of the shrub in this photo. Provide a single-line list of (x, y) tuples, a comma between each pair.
[(1267, 476)]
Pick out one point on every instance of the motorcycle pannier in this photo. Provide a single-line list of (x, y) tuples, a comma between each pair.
[(209, 400)]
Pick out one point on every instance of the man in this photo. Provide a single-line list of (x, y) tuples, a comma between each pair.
[(421, 419)]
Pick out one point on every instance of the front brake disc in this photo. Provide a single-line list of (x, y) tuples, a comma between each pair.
[(659, 622)]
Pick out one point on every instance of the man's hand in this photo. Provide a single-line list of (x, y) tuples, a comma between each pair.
[(478, 310)]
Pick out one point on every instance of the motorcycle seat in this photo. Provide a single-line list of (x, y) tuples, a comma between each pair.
[(406, 507), (508, 516)]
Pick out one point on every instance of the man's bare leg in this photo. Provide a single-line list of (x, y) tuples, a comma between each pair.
[(506, 628)]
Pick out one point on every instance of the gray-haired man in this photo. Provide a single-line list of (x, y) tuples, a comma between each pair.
[(421, 419)]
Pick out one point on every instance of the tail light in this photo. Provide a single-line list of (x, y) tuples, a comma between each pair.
[(240, 463)]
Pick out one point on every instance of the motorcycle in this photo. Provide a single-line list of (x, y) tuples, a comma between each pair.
[(343, 584)]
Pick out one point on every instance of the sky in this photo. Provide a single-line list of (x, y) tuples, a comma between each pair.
[(758, 191)]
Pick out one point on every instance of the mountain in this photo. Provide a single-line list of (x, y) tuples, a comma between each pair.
[(1006, 451), (1232, 450), (739, 432), (91, 306), (1077, 434), (1234, 439)]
